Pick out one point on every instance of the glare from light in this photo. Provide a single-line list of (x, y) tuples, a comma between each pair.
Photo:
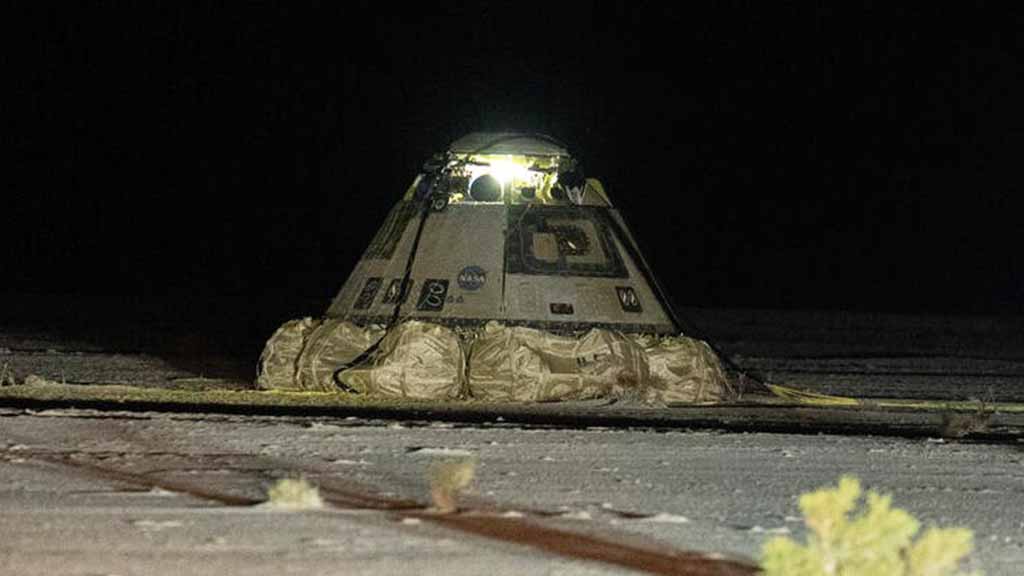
[(504, 170)]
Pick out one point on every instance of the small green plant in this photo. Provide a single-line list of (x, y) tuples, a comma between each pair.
[(878, 541)]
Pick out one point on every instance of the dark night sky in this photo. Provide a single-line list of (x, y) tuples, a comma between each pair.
[(865, 159)]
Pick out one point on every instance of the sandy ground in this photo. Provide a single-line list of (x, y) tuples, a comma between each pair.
[(90, 493), (703, 491)]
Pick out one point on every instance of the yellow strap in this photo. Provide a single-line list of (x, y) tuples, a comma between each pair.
[(815, 399), (811, 398)]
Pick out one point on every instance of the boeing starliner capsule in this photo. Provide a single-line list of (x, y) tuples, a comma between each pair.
[(505, 275), (505, 227)]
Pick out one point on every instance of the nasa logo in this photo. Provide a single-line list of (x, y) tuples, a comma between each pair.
[(472, 278)]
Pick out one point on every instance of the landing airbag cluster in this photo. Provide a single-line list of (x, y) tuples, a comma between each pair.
[(495, 363)]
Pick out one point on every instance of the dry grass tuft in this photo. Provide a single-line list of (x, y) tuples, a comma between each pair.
[(294, 494), (447, 479)]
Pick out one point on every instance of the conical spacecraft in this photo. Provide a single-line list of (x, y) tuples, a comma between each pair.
[(505, 227), (502, 274)]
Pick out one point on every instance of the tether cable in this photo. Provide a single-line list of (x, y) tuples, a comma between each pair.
[(403, 292)]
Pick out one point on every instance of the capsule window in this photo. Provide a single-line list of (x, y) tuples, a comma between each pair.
[(562, 241), (486, 188)]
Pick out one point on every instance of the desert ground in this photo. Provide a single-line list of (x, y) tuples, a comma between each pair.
[(588, 488)]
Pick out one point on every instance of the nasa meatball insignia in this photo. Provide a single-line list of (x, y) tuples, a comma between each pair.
[(472, 278)]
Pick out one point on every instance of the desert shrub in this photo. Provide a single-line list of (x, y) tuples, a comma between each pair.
[(294, 494), (876, 541)]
